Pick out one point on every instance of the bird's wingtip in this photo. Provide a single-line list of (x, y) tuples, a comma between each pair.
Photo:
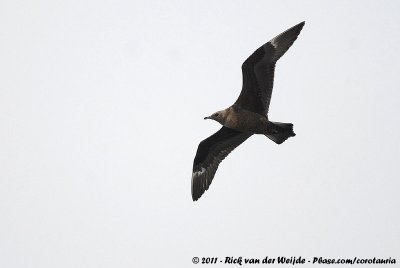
[(195, 197)]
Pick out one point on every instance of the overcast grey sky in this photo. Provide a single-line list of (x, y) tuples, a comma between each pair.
[(101, 111)]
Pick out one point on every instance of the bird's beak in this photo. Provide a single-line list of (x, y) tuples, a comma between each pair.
[(207, 117)]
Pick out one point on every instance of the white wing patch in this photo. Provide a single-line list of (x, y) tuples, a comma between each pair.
[(273, 42), (198, 173)]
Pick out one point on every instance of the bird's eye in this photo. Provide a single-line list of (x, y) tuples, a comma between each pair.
[(216, 115)]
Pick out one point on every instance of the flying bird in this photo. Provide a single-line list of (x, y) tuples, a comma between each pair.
[(248, 115)]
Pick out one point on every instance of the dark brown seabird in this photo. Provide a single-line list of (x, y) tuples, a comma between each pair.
[(248, 115)]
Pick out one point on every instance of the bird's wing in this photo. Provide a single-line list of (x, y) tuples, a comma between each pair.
[(210, 153), (258, 71)]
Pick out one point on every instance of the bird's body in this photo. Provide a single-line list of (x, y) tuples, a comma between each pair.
[(248, 115), (244, 120)]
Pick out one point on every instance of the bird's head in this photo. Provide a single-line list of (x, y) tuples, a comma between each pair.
[(219, 116)]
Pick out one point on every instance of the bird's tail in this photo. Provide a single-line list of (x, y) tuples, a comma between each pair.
[(279, 132)]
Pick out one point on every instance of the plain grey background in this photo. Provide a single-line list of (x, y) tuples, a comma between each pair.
[(101, 111)]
